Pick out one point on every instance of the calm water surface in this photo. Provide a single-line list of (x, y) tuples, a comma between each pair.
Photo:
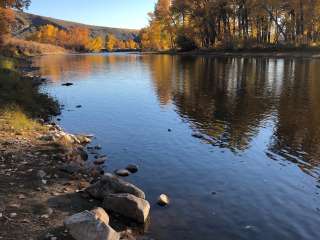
[(254, 174)]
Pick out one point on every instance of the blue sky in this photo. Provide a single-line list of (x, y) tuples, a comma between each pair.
[(111, 13)]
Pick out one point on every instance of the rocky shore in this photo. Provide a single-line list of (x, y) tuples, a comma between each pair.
[(49, 189)]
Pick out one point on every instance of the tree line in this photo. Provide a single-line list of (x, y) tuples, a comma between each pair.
[(79, 39), (232, 24)]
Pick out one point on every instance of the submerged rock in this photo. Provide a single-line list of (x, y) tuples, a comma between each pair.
[(110, 184), (122, 172), (128, 205), (91, 225), (67, 84), (100, 161), (197, 135), (163, 200), (98, 147), (132, 168)]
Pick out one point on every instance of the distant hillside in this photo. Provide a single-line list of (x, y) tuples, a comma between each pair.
[(26, 24)]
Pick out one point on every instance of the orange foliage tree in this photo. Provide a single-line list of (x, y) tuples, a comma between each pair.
[(7, 15), (76, 38)]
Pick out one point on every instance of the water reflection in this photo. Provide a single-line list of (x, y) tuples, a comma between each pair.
[(229, 100), (60, 66), (250, 109)]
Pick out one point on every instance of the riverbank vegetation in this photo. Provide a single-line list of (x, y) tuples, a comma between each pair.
[(232, 25), (20, 99)]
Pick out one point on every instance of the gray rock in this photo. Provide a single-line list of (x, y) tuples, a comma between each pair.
[(132, 168), (47, 138), (122, 172), (100, 161), (41, 173), (128, 205), (71, 167), (83, 154), (98, 147), (110, 184), (91, 226)]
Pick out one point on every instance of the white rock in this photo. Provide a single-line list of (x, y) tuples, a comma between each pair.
[(163, 200), (89, 226)]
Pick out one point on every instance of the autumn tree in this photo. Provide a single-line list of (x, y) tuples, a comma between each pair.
[(95, 44), (233, 23), (7, 15), (111, 42), (77, 39)]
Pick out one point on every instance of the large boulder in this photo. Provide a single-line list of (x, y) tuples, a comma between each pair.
[(100, 213), (91, 226), (110, 184), (128, 205)]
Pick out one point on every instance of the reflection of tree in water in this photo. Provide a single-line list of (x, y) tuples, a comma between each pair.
[(297, 131), (59, 65), (224, 98), (231, 99)]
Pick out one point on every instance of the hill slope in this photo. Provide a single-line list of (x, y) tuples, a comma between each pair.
[(26, 24)]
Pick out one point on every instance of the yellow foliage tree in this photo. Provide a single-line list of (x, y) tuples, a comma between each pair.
[(95, 44), (111, 42)]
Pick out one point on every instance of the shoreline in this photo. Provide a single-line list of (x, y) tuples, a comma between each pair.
[(276, 53), (44, 177)]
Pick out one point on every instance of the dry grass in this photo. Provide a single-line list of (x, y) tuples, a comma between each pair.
[(13, 119), (18, 47)]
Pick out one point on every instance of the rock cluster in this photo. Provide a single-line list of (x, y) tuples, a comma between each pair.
[(117, 196)]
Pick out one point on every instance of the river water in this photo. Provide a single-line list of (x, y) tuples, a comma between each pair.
[(253, 174)]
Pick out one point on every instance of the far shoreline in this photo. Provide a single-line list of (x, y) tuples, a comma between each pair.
[(277, 53)]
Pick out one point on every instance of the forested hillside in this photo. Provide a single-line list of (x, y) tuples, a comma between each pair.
[(27, 24)]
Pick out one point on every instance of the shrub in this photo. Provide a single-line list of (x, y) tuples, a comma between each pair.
[(185, 43)]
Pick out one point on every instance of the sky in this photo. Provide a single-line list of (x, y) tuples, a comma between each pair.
[(110, 13)]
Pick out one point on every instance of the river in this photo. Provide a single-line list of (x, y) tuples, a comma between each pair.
[(234, 142)]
